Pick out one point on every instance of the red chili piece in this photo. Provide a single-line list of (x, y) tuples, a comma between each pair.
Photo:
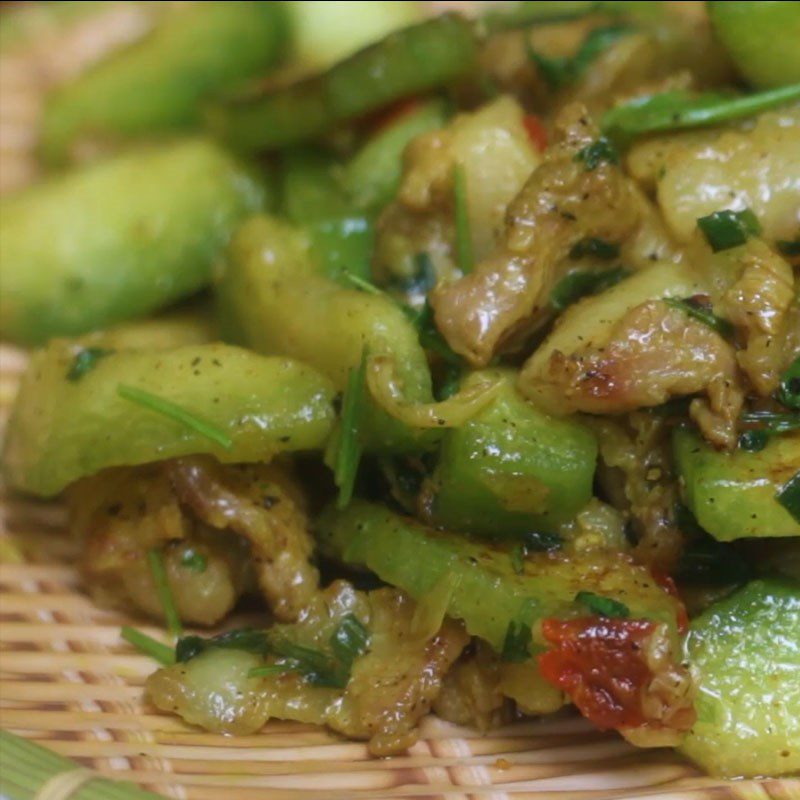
[(536, 131), (601, 665)]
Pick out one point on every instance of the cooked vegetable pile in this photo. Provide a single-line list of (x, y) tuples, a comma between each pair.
[(468, 348)]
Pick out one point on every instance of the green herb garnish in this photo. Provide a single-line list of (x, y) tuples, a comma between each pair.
[(279, 668), (599, 248), (789, 496), (681, 109), (753, 441), (315, 666), (726, 229), (177, 413), (788, 247), (701, 313), (349, 640), (464, 255), (85, 361), (517, 555), (561, 71), (517, 642), (348, 448), (149, 646), (541, 542), (518, 638), (250, 640), (194, 561), (157, 569), (599, 152), (604, 606), (364, 285), (789, 390), (576, 285)]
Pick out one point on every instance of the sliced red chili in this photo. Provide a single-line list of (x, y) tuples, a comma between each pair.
[(600, 663), (536, 131)]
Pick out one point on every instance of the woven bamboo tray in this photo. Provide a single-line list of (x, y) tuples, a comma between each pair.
[(69, 682)]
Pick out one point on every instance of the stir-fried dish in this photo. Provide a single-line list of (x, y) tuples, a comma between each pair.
[(473, 361)]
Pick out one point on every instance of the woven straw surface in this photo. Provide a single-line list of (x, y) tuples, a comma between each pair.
[(70, 683)]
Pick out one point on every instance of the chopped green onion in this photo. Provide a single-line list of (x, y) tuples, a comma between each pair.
[(702, 314), (789, 391), (604, 606), (517, 555), (753, 441), (789, 248), (250, 640), (149, 646), (599, 152), (85, 361), (560, 71), (726, 229), (167, 601), (464, 254), (175, 412), (541, 542), (599, 248), (576, 285), (362, 284), (194, 561), (789, 496), (279, 668), (348, 450), (315, 666), (518, 638), (680, 109), (517, 642), (349, 640)]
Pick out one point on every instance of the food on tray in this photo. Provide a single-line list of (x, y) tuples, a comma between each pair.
[(466, 348)]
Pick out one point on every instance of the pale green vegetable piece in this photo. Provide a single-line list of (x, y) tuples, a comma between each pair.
[(745, 654), (120, 239), (62, 429), (763, 38), (733, 495), (160, 83)]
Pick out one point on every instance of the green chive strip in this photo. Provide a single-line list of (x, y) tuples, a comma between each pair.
[(679, 109), (85, 361), (722, 326), (159, 572), (789, 391), (464, 253), (604, 606), (726, 229), (348, 452), (789, 496), (149, 646), (601, 151), (177, 413)]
